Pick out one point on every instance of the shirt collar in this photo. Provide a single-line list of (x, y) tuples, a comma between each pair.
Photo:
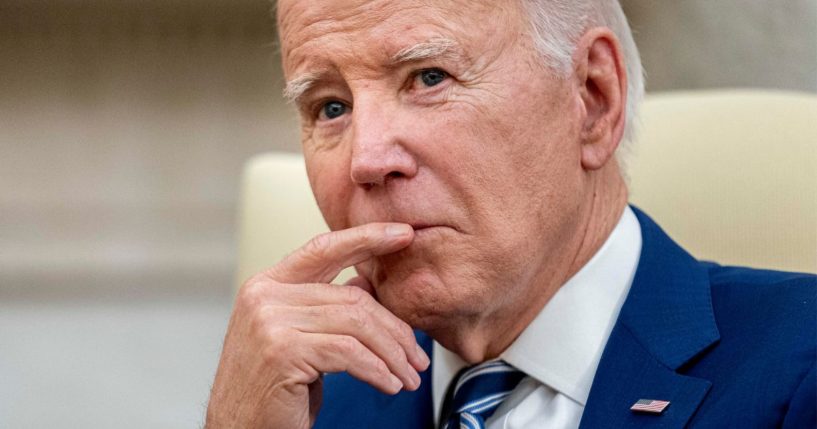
[(584, 310)]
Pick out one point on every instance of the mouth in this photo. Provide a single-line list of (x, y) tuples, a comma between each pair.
[(422, 228), (419, 226)]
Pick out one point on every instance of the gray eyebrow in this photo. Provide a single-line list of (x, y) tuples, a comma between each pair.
[(424, 50), (296, 88)]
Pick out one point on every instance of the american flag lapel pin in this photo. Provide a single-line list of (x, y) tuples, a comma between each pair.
[(650, 406)]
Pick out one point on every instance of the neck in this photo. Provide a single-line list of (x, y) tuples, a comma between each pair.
[(598, 215)]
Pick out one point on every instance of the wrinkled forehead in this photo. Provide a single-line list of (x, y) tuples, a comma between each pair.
[(309, 29)]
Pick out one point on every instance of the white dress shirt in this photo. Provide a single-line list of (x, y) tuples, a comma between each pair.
[(560, 350)]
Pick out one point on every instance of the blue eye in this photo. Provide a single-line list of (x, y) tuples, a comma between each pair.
[(333, 109), (432, 77)]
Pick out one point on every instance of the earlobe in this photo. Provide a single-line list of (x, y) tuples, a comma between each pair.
[(603, 90)]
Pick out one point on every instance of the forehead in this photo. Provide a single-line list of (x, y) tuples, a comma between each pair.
[(361, 31)]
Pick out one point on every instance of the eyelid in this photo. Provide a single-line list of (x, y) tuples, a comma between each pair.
[(322, 92), (419, 71)]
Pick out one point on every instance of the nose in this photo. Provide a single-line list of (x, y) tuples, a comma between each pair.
[(379, 152)]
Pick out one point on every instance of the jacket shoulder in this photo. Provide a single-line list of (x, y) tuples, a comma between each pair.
[(767, 349), (725, 275), (779, 299)]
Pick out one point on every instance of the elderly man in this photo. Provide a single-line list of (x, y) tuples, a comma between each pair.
[(464, 155)]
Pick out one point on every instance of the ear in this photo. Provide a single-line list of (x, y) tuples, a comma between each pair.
[(602, 82)]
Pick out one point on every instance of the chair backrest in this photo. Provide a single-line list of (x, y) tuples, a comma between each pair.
[(731, 175), (277, 212)]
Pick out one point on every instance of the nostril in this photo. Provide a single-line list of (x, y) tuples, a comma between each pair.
[(389, 176)]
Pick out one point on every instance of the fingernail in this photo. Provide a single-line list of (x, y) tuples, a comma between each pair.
[(424, 360), (398, 230), (396, 384)]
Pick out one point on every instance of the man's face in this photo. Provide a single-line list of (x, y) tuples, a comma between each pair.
[(438, 114)]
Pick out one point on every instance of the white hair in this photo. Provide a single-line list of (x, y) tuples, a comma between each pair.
[(557, 26)]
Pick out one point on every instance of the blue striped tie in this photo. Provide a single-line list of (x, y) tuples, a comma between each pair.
[(476, 393)]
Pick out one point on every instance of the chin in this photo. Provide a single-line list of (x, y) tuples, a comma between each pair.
[(430, 284), (417, 297), (426, 301)]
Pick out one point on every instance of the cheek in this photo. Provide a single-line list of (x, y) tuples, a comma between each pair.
[(486, 152), (519, 165), (329, 177), (540, 142)]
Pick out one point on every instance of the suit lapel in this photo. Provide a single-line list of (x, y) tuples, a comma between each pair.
[(628, 373), (665, 322)]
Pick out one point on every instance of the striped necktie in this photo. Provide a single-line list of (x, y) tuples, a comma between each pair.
[(476, 393)]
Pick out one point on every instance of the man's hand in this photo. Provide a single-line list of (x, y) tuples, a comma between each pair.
[(289, 327)]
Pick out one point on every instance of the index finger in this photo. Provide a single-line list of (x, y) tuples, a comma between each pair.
[(324, 256)]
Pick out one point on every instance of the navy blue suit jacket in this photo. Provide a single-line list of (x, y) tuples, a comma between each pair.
[(728, 347)]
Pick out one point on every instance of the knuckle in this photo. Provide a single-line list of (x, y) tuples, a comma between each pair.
[(318, 244), (365, 235), (356, 296), (366, 238), (345, 346), (379, 366), (254, 293), (249, 295), (358, 317), (259, 320), (395, 354), (405, 335), (277, 342), (266, 327)]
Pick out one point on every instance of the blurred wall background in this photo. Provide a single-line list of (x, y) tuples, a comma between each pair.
[(726, 43), (123, 129)]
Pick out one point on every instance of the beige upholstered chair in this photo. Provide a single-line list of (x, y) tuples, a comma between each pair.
[(277, 212), (732, 176)]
